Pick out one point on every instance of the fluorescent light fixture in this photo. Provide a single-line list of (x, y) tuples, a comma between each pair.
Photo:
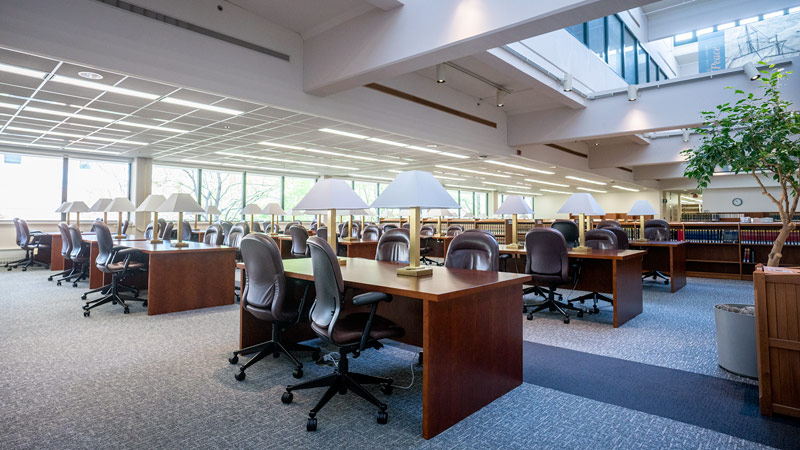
[(514, 166), (384, 141), (523, 193), (794, 10), (364, 158), (748, 20), (150, 127), (22, 71), (556, 192), (703, 31), (453, 155), (458, 169), (195, 105), (27, 144), (372, 177), (275, 144), (422, 149), (276, 169), (343, 133), (546, 182), (102, 87), (77, 136), (443, 177), (89, 150), (585, 180), (773, 14), (284, 160), (684, 36), (592, 190), (725, 26), (624, 188), (440, 73), (52, 112), (13, 106), (751, 71), (479, 188), (513, 186)]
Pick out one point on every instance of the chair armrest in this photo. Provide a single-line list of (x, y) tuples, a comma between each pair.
[(371, 298)]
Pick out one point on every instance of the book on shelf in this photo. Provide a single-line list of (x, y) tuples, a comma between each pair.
[(710, 235), (756, 236)]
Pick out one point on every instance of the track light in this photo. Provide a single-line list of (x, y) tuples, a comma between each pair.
[(685, 135), (498, 97), (566, 83), (440, 73), (633, 92), (751, 71)]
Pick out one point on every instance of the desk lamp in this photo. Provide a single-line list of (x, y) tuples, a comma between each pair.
[(514, 204), (414, 189), (77, 208), (251, 209), (63, 209), (120, 205), (331, 195), (211, 210), (100, 205), (151, 204), (582, 204), (641, 208), (439, 213), (273, 209), (180, 203)]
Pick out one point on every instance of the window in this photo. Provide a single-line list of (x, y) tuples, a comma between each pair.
[(168, 180), (662, 75), (294, 189), (615, 44), (223, 189), (652, 71), (629, 47), (41, 198), (90, 180), (481, 204), (578, 32), (641, 64), (263, 189), (467, 201), (367, 191), (596, 37)]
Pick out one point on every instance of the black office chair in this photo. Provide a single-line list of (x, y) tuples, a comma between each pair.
[(622, 237), (454, 230), (149, 231), (187, 231), (322, 233), (226, 229), (266, 226), (656, 230), (299, 237), (213, 235), (352, 333), (604, 239), (290, 224), (265, 298), (393, 246), (548, 264), (389, 226), (166, 232), (31, 242), (235, 237), (120, 263), (426, 233), (569, 230), (609, 224), (66, 249), (79, 255), (474, 251), (371, 233), (257, 227), (245, 228), (406, 225), (124, 227)]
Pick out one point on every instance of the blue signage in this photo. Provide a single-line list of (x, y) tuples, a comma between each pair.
[(711, 51)]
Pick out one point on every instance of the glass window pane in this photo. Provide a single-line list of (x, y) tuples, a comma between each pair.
[(630, 57), (263, 189), (368, 192), (90, 180), (642, 64), (615, 44), (223, 189), (577, 31), (294, 190), (168, 180), (481, 204), (466, 202), (652, 70), (597, 37), (662, 75), (41, 198)]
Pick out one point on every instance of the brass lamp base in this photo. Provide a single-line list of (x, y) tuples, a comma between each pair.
[(415, 271), (119, 236), (156, 241), (582, 248), (180, 244), (342, 261), (640, 241), (513, 246)]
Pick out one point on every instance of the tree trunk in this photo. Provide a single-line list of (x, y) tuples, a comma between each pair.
[(775, 254)]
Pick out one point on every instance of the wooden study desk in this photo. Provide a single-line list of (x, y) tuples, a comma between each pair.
[(667, 257), (357, 248), (467, 322), (54, 257), (608, 271)]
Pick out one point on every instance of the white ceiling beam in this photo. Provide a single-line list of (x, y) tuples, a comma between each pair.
[(660, 151), (383, 44), (386, 5), (659, 172), (639, 139)]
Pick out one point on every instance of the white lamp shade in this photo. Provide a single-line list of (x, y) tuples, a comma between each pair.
[(120, 204), (358, 212), (77, 207), (641, 208), (180, 203), (514, 204), (439, 212), (100, 204), (63, 207), (274, 208), (415, 188), (151, 203), (331, 194), (212, 209), (581, 203), (252, 208)]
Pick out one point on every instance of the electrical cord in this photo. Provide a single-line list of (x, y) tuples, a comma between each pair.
[(416, 356)]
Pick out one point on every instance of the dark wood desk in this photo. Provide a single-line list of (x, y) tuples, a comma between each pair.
[(618, 272), (467, 322), (200, 233), (357, 248), (667, 257), (54, 257)]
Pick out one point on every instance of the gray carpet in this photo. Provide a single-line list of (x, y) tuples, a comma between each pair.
[(133, 381)]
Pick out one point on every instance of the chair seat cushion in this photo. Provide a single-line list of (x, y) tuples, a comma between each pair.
[(117, 266), (348, 330)]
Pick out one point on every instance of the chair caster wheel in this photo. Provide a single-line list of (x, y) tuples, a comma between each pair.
[(233, 359), (311, 425), (383, 417), (58, 283), (74, 284), (127, 311), (113, 302), (287, 398), (297, 373), (530, 316), (315, 355), (276, 355), (582, 301), (240, 376), (49, 278), (566, 320), (83, 297), (86, 314), (24, 269), (580, 314), (666, 283), (386, 389), (144, 304), (596, 310)]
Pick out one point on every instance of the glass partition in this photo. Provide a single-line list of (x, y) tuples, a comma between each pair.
[(39, 177)]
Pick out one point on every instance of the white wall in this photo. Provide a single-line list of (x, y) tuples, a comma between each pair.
[(546, 206), (753, 200)]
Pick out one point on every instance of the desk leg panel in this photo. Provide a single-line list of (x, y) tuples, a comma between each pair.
[(473, 355), (366, 251), (190, 280), (677, 268), (627, 290)]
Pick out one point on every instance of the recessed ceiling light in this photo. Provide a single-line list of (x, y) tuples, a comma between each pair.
[(501, 163), (28, 144), (585, 180), (591, 190), (151, 127), (67, 114), (546, 182), (453, 155), (432, 145), (384, 141), (557, 192), (480, 188), (422, 149), (343, 133), (275, 144), (102, 87), (203, 106), (444, 177), (372, 177), (284, 160), (523, 193), (346, 155), (458, 169), (90, 75), (273, 169), (513, 186), (89, 150), (624, 188), (22, 71), (9, 105), (77, 136)]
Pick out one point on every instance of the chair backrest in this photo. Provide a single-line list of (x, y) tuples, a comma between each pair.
[(148, 231), (226, 227), (76, 240), (407, 226), (389, 226), (622, 237), (609, 224), (289, 225), (340, 229), (257, 227), (329, 287), (266, 226), (213, 235), (299, 236), (125, 224), (187, 231), (454, 230), (66, 240), (245, 228), (547, 258), (427, 231), (322, 233), (24, 236), (602, 239), (371, 233), (569, 230), (236, 235), (166, 233), (656, 230), (393, 246), (355, 230), (265, 288), (474, 251), (105, 244)]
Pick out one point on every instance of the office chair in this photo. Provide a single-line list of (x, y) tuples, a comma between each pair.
[(393, 246), (340, 229), (226, 229), (604, 239), (609, 224), (656, 230), (148, 231), (235, 237), (406, 225), (187, 231), (266, 226), (299, 237), (66, 249), (371, 233), (569, 230), (622, 237), (79, 255), (124, 228), (213, 235), (257, 227), (389, 226), (474, 251), (322, 233), (426, 233), (548, 264), (265, 298), (118, 262), (313, 226), (350, 332), (355, 230), (290, 224), (454, 230), (245, 228), (30, 242), (166, 232)]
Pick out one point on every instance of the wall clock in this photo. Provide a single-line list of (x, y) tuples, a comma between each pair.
[(737, 201)]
